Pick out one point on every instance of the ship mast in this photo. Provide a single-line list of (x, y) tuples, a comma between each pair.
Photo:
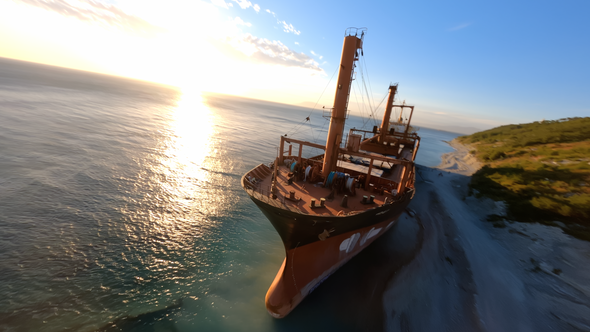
[(349, 55), (387, 114)]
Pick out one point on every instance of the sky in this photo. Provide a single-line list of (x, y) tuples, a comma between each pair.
[(465, 65)]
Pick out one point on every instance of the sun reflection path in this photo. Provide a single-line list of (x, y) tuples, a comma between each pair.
[(179, 220), (191, 143), (174, 189)]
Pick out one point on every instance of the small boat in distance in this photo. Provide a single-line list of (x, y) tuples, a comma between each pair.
[(328, 208)]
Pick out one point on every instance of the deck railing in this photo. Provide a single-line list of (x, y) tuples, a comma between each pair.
[(255, 189), (279, 201), (266, 196)]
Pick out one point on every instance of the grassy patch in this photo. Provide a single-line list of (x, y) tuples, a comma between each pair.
[(541, 170)]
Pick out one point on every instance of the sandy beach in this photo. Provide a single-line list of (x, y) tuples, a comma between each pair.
[(466, 275)]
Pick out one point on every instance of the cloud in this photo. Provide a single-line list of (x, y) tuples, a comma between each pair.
[(286, 27), (315, 54), (96, 12), (244, 4), (289, 28), (239, 21), (261, 50), (459, 27), (296, 43), (222, 3)]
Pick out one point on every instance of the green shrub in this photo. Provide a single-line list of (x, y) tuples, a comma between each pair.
[(545, 203), (542, 181), (581, 166), (497, 155)]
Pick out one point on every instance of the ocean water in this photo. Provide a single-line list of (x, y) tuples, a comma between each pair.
[(121, 207)]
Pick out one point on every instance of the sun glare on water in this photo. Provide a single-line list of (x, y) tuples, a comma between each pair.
[(190, 144), (176, 175)]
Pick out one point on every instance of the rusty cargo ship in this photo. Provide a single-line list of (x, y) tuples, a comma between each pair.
[(327, 208)]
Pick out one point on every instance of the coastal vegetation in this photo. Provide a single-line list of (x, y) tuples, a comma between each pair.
[(540, 169)]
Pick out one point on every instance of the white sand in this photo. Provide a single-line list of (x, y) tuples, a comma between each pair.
[(469, 276), (460, 161)]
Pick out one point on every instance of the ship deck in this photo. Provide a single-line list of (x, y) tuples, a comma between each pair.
[(304, 192)]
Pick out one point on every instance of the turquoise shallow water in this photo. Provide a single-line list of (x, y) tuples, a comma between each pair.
[(121, 199)]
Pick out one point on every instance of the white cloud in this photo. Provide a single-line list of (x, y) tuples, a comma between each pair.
[(289, 28), (221, 3), (271, 12), (96, 12), (319, 56), (245, 4), (296, 43), (239, 21), (459, 27), (261, 50)]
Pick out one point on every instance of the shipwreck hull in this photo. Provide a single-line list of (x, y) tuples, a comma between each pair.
[(316, 246)]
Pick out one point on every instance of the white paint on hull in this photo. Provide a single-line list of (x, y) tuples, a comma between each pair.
[(348, 244)]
